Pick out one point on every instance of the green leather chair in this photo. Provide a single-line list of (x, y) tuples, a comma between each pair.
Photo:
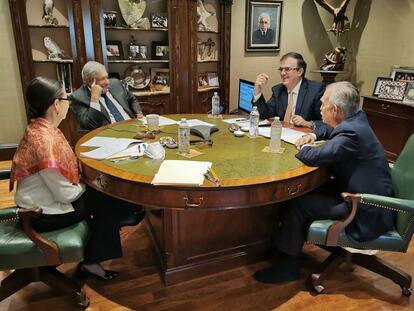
[(330, 234), (35, 256)]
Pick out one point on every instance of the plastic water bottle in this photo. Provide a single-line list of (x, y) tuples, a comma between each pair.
[(254, 122), (215, 104), (275, 135), (183, 137)]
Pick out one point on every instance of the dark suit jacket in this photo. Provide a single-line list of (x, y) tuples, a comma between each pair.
[(307, 105), (268, 38), (89, 118), (358, 165)]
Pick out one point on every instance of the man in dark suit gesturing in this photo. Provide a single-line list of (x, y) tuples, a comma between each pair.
[(296, 99), (358, 164), (100, 100)]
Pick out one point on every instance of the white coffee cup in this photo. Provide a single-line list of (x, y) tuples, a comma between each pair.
[(153, 122)]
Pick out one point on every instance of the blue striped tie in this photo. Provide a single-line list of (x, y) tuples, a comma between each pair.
[(112, 108)]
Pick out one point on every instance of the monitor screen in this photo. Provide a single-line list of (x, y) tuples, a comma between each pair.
[(245, 95)]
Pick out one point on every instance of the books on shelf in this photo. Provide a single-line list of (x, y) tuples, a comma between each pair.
[(64, 73)]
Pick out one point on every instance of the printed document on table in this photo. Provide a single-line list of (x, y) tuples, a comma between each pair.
[(181, 172), (162, 121), (195, 122), (288, 135), (108, 147)]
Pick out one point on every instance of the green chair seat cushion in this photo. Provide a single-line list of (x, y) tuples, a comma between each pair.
[(18, 251), (391, 241)]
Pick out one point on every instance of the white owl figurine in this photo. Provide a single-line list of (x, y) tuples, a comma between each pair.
[(55, 52)]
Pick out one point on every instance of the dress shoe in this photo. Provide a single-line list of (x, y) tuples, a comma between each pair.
[(285, 270), (134, 219), (84, 273)]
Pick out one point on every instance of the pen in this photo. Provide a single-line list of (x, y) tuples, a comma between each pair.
[(242, 119), (125, 159), (213, 173)]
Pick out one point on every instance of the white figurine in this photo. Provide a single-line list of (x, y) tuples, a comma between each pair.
[(48, 13), (55, 52), (202, 15)]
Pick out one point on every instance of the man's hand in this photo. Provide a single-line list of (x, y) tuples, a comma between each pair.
[(140, 115), (96, 91), (260, 82), (299, 121), (306, 139)]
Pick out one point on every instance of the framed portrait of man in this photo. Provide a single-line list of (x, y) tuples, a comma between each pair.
[(263, 25)]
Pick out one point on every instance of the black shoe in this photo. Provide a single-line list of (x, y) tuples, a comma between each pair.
[(134, 219), (84, 273), (286, 270)]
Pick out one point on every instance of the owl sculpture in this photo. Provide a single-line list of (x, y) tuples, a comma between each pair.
[(48, 13), (55, 52)]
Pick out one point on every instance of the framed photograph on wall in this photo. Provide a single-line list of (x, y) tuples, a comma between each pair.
[(409, 94), (114, 50), (263, 25), (160, 50), (378, 84), (392, 90), (160, 79), (402, 73)]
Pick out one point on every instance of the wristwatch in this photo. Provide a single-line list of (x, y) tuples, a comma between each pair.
[(312, 125)]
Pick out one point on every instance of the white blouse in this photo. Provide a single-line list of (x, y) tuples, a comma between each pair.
[(49, 190)]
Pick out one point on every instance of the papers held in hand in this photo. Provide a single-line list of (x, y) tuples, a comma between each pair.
[(181, 172), (111, 147)]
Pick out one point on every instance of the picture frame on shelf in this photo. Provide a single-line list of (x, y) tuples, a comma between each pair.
[(213, 78), (138, 51), (409, 94), (114, 49), (159, 20), (402, 73), (263, 25), (160, 50), (202, 80), (160, 79), (110, 18), (378, 84), (394, 90)]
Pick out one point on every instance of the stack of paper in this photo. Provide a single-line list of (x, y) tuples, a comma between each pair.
[(162, 121), (107, 147), (181, 172)]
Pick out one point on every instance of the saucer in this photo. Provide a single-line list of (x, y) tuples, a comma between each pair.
[(245, 128), (238, 133)]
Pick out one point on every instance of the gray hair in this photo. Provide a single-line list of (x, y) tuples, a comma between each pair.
[(264, 16), (345, 96), (90, 69)]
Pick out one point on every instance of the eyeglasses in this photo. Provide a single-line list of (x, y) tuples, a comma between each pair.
[(287, 69)]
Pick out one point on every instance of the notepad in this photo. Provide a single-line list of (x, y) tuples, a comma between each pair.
[(181, 172)]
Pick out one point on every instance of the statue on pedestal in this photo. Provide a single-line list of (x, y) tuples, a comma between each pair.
[(335, 59)]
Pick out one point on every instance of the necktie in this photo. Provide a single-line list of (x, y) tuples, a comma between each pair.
[(111, 106), (288, 113)]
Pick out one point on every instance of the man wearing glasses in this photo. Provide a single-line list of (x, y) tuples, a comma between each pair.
[(296, 100), (264, 35)]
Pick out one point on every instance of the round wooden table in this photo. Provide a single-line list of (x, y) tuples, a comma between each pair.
[(199, 230)]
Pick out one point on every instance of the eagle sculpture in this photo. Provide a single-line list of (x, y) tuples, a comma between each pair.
[(202, 15), (55, 52), (338, 25), (48, 13)]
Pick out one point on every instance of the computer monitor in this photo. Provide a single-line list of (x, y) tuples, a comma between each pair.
[(245, 96)]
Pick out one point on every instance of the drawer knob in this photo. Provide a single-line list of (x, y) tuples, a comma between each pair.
[(292, 190), (385, 106), (189, 203)]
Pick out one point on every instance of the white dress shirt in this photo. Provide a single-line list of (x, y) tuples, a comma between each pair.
[(121, 110), (49, 190)]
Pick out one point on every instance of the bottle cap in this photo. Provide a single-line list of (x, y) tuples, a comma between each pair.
[(183, 119), (215, 93)]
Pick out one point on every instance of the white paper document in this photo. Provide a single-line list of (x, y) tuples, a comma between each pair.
[(107, 146), (195, 122), (288, 135), (162, 121), (181, 172), (235, 120)]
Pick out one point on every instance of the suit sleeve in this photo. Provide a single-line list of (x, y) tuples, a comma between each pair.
[(340, 148), (266, 110), (87, 117), (133, 102)]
